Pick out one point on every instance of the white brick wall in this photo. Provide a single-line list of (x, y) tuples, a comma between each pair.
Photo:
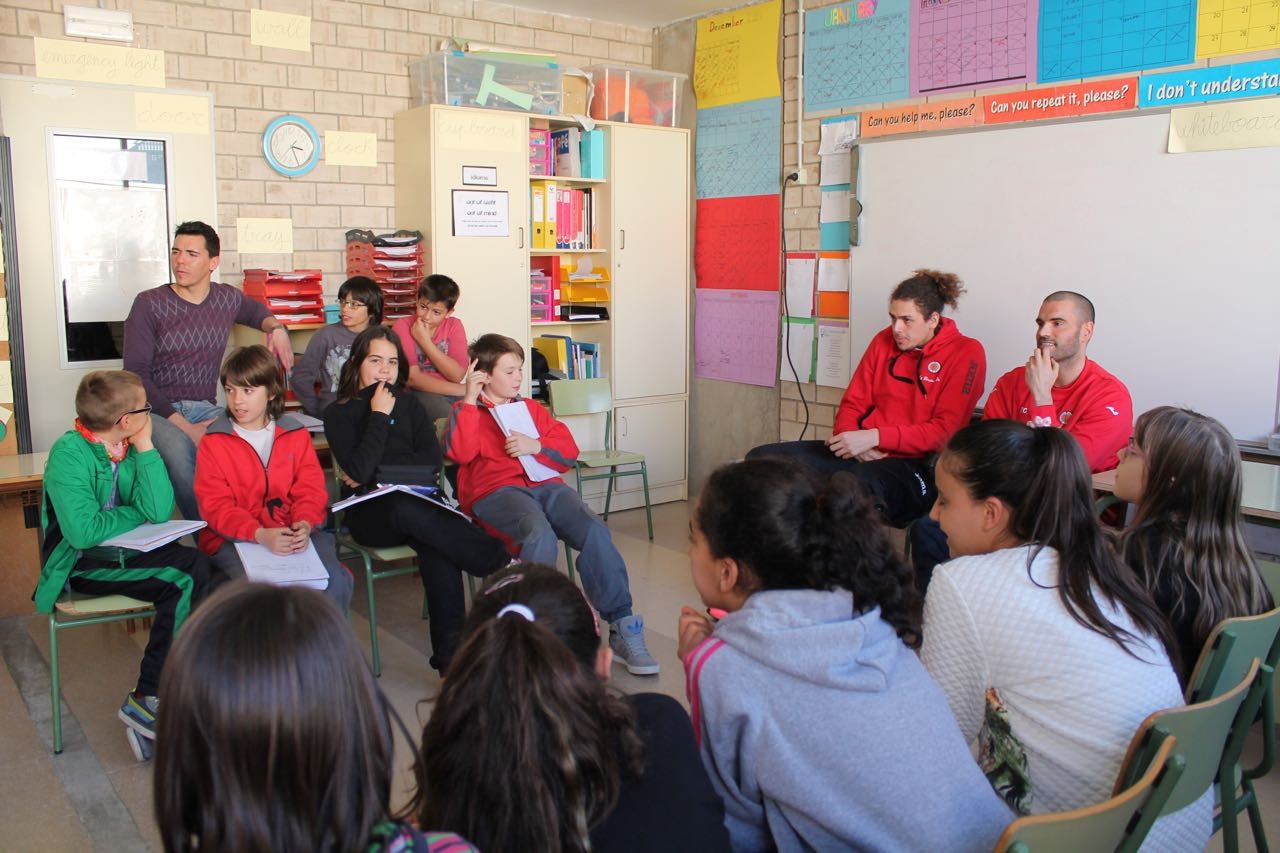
[(354, 78)]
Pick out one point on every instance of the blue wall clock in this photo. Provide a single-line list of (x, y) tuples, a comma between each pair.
[(291, 146)]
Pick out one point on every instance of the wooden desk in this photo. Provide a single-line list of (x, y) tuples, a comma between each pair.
[(1261, 499), (21, 478)]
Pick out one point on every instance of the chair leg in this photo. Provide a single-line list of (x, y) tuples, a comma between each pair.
[(1229, 810), (568, 559), (425, 614), (1255, 818), (373, 617), (648, 507), (55, 686)]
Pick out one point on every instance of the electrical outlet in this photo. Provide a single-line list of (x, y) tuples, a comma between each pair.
[(803, 175)]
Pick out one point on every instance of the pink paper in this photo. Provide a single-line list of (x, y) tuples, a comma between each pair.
[(968, 44), (736, 335)]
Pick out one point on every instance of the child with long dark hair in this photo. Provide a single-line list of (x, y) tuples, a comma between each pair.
[(818, 724), (1186, 540), (275, 735), (1047, 646), (379, 434), (528, 748)]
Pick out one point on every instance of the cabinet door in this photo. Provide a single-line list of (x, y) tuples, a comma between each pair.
[(492, 272), (658, 431), (650, 242)]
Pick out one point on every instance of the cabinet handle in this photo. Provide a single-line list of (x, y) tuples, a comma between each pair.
[(520, 228), (622, 238)]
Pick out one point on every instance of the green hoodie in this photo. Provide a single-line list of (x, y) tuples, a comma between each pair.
[(77, 483)]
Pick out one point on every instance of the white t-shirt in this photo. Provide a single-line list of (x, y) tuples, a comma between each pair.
[(1075, 698), (261, 439)]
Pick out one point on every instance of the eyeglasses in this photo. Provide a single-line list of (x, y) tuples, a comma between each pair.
[(145, 410), (1132, 448), (353, 303)]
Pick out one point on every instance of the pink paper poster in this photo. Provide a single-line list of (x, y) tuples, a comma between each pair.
[(736, 336)]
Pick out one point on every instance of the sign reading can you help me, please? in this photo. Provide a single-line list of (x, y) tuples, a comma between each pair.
[(481, 213)]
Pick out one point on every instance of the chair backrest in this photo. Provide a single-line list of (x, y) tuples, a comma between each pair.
[(1107, 826), (580, 397), (1202, 731), (1230, 649)]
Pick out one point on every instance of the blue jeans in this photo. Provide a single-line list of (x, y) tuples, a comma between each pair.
[(537, 518), (179, 453), (340, 585)]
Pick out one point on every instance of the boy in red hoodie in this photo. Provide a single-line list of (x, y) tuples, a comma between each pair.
[(534, 514), (258, 478), (917, 383)]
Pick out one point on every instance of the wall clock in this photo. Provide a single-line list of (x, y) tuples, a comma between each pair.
[(291, 146)]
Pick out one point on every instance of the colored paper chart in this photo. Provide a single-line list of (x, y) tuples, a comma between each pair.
[(736, 336), (735, 58), (856, 53), (737, 149), (960, 44), (1086, 38), (1224, 27), (737, 243)]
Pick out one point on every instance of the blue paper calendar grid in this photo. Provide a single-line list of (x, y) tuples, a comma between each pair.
[(1087, 38), (863, 60)]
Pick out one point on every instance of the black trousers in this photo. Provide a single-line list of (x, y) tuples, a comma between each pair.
[(172, 577), (902, 489), (446, 546)]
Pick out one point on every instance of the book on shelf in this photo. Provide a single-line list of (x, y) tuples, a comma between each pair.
[(592, 153), (568, 152), (148, 537), (262, 565)]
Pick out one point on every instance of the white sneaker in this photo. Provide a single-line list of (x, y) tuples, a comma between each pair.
[(143, 747), (626, 638)]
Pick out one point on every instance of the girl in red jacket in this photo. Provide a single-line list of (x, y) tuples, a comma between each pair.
[(258, 478)]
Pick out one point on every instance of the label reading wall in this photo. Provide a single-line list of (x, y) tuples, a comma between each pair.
[(480, 213)]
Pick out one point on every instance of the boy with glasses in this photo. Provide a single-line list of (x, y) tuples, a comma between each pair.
[(315, 377), (104, 478)]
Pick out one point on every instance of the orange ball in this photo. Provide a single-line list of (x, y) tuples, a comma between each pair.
[(609, 102)]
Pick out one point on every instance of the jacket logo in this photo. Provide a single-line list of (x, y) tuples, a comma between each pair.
[(934, 367), (1064, 417), (1112, 410)]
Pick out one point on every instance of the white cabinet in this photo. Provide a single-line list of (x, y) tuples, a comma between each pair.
[(643, 241)]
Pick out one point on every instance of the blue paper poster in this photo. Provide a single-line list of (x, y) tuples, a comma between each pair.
[(1089, 38), (856, 53), (738, 149)]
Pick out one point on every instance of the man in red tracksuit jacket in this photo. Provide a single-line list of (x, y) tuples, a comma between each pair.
[(1058, 387), (917, 383)]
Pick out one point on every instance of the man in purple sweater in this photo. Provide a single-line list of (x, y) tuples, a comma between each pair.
[(175, 337)]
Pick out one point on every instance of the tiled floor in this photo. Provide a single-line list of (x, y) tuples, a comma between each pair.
[(96, 796)]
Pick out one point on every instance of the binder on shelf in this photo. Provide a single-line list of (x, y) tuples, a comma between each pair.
[(548, 232), (568, 152), (556, 350), (564, 225), (593, 154), (577, 235), (538, 214)]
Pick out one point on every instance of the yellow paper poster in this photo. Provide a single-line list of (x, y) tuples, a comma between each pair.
[(99, 63), (345, 148), (277, 29), (264, 236), (162, 113), (736, 57), (1215, 127), (1225, 27)]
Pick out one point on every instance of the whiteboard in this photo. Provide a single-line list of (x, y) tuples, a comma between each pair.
[(1180, 253)]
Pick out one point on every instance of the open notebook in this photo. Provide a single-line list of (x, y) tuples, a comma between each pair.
[(430, 494)]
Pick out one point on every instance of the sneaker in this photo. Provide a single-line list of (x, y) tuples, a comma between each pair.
[(626, 638), (139, 714), (143, 747)]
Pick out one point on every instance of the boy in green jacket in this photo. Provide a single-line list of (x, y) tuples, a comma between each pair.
[(104, 478)]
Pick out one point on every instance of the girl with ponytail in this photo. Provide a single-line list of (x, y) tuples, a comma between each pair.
[(1049, 649), (818, 724), (1186, 541), (529, 749)]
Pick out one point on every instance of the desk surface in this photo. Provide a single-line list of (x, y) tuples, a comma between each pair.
[(24, 471), (1261, 499)]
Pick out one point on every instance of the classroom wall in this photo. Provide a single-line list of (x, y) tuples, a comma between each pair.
[(800, 218), (353, 79)]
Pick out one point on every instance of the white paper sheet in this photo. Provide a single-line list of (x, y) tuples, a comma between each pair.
[(833, 274), (835, 206), (800, 346), (148, 537), (304, 568), (835, 169), (515, 417), (838, 136), (834, 366), (800, 272)]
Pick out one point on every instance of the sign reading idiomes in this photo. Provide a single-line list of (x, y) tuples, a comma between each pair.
[(480, 213)]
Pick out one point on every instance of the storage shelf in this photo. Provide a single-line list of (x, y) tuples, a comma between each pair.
[(560, 179), (541, 324), (567, 251)]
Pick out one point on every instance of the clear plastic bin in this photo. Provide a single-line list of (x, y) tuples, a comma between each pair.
[(479, 80), (636, 95)]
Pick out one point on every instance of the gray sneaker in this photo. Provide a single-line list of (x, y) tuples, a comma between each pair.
[(626, 638), (143, 747)]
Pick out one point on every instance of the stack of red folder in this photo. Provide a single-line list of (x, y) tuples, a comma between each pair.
[(293, 296), (395, 261)]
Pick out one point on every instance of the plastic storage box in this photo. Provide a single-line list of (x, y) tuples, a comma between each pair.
[(480, 80), (635, 95)]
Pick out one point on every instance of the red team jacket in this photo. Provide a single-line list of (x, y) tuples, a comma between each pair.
[(1095, 409), (931, 392), (237, 494), (474, 440)]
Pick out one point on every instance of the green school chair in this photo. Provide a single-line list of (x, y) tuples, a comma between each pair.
[(593, 397), (1115, 824), (74, 610)]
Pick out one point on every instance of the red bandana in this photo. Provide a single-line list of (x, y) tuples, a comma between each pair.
[(112, 454)]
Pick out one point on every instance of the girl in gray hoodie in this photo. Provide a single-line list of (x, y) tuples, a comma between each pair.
[(816, 721)]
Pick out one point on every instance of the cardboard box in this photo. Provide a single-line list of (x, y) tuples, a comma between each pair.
[(577, 94)]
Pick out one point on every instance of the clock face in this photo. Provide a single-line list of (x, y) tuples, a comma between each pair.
[(291, 146)]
